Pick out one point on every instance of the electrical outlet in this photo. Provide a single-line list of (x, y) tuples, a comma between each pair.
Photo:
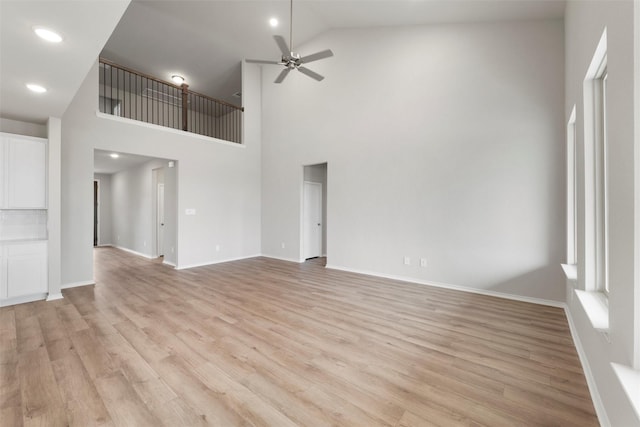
[(407, 260), (282, 245), (423, 262), (217, 248), (144, 243), (189, 211), (172, 249)]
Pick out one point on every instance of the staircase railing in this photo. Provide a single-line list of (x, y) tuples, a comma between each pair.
[(135, 95)]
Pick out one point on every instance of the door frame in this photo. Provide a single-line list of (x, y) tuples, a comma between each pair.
[(305, 185), (325, 207), (160, 231), (96, 214)]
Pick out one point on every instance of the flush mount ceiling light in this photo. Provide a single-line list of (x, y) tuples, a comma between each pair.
[(36, 88), (48, 35), (114, 155), (177, 79), (273, 22)]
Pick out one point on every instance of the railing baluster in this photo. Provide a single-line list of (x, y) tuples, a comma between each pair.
[(166, 104)]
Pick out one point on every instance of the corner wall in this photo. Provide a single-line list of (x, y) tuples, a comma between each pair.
[(444, 142)]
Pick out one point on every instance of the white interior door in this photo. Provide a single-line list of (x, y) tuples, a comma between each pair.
[(160, 218), (312, 214)]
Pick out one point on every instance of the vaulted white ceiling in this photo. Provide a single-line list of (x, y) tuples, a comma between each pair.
[(24, 58), (204, 41)]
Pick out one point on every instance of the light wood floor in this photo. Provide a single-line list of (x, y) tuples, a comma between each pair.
[(269, 343)]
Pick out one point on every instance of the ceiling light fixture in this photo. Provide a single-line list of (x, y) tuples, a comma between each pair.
[(36, 88), (177, 79), (273, 22), (114, 155), (48, 35)]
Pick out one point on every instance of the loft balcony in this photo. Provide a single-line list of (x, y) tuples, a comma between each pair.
[(127, 93)]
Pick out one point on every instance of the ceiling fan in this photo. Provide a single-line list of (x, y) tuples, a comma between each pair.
[(292, 60)]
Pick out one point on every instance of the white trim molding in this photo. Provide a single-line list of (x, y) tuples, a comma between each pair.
[(131, 251), (486, 292), (22, 299), (53, 297), (591, 381), (76, 284), (220, 261), (596, 307), (297, 261)]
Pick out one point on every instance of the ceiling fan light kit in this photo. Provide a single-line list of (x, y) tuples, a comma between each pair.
[(291, 60)]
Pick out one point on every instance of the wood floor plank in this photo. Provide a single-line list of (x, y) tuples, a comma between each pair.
[(42, 404), (261, 342), (84, 405), (122, 402)]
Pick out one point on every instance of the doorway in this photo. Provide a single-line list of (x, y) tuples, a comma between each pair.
[(312, 232), (160, 220), (158, 191), (314, 212), (96, 212)]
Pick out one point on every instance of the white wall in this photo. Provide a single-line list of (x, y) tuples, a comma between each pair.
[(444, 142), (220, 180), (133, 208), (105, 208), (585, 22)]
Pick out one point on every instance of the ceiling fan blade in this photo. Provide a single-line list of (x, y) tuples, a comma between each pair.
[(260, 61), (310, 73), (282, 75), (282, 44), (316, 56)]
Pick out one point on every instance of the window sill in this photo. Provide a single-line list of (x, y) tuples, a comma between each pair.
[(596, 306), (571, 271), (630, 380)]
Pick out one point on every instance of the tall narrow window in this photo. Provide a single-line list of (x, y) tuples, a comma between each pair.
[(596, 236), (572, 193), (601, 173)]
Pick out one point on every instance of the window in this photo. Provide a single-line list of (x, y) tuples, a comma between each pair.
[(601, 214), (572, 193), (595, 163)]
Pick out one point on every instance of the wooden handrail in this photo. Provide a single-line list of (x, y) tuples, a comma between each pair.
[(219, 101), (179, 87)]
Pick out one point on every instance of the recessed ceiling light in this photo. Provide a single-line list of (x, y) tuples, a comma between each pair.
[(177, 79), (36, 88), (114, 155), (48, 35), (273, 22)]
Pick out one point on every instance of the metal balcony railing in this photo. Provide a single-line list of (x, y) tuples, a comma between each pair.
[(128, 93)]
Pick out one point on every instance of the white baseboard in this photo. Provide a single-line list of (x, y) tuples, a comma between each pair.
[(297, 261), (169, 263), (131, 251), (53, 297), (22, 299), (76, 284), (532, 300), (106, 245), (591, 381), (219, 261)]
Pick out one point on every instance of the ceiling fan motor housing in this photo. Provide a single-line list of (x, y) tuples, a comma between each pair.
[(291, 61)]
